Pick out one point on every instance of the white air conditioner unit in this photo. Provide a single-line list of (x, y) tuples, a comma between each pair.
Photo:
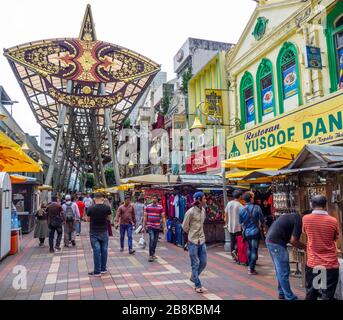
[(202, 140)]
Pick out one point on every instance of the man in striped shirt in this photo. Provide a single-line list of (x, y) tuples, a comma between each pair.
[(153, 214), (322, 232)]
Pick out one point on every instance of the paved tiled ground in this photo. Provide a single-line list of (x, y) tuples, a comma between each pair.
[(63, 275)]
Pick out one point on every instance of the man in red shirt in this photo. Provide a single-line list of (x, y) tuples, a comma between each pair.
[(81, 205), (322, 232)]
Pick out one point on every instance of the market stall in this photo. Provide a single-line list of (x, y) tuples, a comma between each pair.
[(316, 170), (25, 197)]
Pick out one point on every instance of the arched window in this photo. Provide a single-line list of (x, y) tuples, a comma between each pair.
[(288, 78), (247, 99), (339, 49), (265, 90), (334, 39)]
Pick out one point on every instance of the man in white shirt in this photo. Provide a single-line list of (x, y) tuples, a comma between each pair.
[(88, 201), (232, 221)]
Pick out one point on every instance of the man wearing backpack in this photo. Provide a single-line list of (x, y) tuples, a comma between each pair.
[(71, 216), (251, 217), (55, 219)]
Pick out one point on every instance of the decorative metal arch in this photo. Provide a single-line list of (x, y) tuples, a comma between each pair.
[(89, 78)]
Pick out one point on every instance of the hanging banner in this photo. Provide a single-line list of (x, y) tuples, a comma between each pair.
[(290, 82), (214, 106), (340, 80), (267, 100), (316, 123), (203, 161), (250, 110), (313, 58)]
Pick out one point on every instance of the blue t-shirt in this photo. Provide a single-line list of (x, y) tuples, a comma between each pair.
[(250, 216)]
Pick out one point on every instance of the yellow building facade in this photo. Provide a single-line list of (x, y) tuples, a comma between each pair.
[(208, 97), (285, 76)]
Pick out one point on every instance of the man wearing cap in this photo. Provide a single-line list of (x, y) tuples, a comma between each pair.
[(193, 225), (71, 217)]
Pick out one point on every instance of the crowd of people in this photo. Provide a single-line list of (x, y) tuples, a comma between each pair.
[(245, 220)]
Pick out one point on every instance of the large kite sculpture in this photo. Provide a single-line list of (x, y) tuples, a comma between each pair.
[(81, 90)]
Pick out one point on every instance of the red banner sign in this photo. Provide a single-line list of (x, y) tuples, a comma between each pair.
[(203, 161)]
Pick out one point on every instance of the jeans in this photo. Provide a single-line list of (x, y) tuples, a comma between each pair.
[(99, 242), (69, 232), (123, 229), (198, 256), (253, 244), (78, 226), (153, 238), (280, 258), (52, 236), (332, 277), (233, 241)]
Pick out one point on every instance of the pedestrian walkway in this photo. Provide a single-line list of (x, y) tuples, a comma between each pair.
[(63, 275)]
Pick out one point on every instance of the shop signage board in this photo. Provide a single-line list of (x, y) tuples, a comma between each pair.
[(203, 161), (290, 82), (313, 58), (214, 106), (179, 121), (317, 123)]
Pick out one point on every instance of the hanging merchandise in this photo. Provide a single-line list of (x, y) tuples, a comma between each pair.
[(182, 207), (171, 207), (177, 206)]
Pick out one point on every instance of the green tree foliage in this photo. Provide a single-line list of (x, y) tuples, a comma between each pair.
[(165, 104), (110, 178), (90, 182), (127, 123), (185, 79)]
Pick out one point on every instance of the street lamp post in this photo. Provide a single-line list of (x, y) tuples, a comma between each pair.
[(198, 125)]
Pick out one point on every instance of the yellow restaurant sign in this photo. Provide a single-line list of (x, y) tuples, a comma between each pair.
[(317, 123)]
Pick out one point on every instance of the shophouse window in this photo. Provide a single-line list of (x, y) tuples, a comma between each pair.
[(247, 100), (288, 78), (339, 50), (334, 39), (265, 89)]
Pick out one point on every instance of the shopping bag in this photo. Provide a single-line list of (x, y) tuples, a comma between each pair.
[(242, 250), (139, 228), (142, 243)]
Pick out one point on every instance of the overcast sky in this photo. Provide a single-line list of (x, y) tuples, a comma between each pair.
[(154, 28)]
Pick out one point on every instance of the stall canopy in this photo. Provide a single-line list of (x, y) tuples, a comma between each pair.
[(13, 159), (275, 158), (16, 179), (152, 179), (244, 174), (322, 156), (200, 179)]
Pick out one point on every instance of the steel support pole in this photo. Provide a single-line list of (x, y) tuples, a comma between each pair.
[(61, 120), (76, 177), (227, 235), (69, 176), (115, 166), (98, 152)]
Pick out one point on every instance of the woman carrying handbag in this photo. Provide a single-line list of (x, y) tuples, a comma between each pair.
[(41, 224)]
